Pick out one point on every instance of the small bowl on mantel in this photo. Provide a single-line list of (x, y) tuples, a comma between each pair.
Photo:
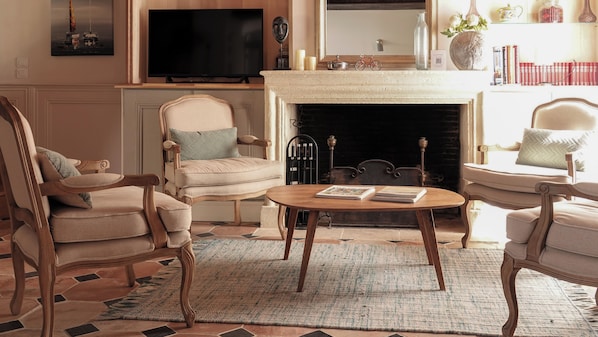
[(338, 64)]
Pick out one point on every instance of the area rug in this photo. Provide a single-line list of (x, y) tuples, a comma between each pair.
[(359, 286)]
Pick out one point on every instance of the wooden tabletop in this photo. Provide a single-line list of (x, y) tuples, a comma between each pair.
[(303, 196)]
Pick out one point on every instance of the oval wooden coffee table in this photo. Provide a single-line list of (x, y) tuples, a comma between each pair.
[(302, 197)]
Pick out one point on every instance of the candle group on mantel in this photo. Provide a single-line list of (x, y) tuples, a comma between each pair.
[(304, 63)]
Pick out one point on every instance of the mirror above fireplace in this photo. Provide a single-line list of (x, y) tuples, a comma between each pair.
[(395, 51)]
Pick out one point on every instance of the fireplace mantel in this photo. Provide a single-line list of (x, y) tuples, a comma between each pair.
[(285, 89)]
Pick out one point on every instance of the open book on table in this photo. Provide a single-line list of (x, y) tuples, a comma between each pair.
[(409, 194), (357, 192)]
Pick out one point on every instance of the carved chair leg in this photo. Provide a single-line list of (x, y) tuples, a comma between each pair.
[(465, 221), (187, 259), (130, 275), (508, 273), (47, 279), (237, 206), (19, 268)]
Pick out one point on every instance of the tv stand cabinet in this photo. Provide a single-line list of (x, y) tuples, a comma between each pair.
[(142, 143), (208, 80)]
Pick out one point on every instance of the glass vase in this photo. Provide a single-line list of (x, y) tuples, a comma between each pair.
[(420, 42), (586, 13), (472, 8)]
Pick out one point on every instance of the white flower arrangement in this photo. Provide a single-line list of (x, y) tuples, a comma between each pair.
[(460, 23)]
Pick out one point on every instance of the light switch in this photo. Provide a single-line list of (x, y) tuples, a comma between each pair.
[(22, 62), (22, 73)]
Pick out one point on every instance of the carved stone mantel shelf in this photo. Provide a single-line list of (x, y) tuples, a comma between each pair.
[(284, 89)]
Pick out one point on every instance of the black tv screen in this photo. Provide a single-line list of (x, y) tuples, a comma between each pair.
[(205, 43)]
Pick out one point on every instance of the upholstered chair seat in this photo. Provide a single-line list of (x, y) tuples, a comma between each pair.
[(557, 238), (509, 183), (222, 177)]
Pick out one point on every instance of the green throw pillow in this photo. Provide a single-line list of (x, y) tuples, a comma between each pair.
[(55, 166), (547, 148), (203, 145)]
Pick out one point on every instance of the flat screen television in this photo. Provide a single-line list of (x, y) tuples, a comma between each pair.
[(205, 44)]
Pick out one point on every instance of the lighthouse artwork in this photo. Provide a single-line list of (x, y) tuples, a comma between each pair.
[(82, 27)]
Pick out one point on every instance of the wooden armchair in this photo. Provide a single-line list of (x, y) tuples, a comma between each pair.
[(201, 158), (62, 220), (557, 239), (551, 150)]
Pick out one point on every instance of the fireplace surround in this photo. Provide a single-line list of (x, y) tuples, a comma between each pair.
[(286, 90)]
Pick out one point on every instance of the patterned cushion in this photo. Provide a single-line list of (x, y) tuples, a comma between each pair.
[(205, 145), (547, 148), (55, 166)]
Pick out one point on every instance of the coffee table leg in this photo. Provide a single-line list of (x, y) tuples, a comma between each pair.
[(429, 236), (312, 222), (293, 212)]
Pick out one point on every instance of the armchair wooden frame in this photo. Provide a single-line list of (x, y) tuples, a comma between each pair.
[(31, 212), (535, 246)]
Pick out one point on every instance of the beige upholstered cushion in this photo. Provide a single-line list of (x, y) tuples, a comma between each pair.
[(574, 227), (512, 177), (55, 166), (117, 214), (542, 147), (224, 172)]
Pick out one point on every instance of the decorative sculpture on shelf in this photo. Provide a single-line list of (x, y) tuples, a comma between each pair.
[(280, 30)]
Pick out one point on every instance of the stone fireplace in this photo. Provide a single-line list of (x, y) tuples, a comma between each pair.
[(286, 91)]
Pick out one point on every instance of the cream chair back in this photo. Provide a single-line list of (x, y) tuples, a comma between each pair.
[(196, 113), (566, 114), (22, 174)]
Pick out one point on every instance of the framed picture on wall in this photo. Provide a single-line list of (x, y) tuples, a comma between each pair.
[(82, 27)]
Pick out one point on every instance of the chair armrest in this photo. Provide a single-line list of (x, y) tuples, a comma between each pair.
[(102, 181), (547, 190), (484, 149), (253, 140), (175, 150), (93, 166), (96, 182)]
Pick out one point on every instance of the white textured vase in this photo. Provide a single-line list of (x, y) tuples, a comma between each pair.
[(467, 51)]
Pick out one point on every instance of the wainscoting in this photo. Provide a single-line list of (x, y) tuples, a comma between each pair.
[(82, 121)]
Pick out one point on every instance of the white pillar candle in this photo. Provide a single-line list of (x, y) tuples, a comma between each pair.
[(310, 63), (300, 59)]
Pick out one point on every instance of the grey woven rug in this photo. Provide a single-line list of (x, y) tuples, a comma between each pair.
[(362, 287)]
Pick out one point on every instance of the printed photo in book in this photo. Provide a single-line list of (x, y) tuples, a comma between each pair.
[(346, 192), (408, 194)]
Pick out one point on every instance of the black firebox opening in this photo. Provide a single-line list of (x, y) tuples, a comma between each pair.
[(390, 132)]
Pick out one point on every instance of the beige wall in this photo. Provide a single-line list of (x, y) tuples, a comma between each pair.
[(26, 33), (70, 101)]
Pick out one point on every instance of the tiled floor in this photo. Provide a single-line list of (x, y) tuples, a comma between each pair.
[(83, 294)]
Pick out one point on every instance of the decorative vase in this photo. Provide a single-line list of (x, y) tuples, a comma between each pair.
[(467, 50), (586, 14), (472, 8), (420, 42)]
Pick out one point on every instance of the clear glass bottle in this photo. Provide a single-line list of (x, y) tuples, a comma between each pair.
[(550, 12), (420, 43)]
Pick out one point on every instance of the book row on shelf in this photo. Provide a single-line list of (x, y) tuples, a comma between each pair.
[(508, 69)]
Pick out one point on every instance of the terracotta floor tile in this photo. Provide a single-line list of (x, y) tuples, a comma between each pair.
[(99, 290)]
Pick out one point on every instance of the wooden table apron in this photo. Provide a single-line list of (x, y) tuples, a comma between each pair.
[(302, 197)]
